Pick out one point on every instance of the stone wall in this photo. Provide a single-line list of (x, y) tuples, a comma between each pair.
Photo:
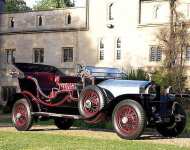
[(52, 20), (136, 24)]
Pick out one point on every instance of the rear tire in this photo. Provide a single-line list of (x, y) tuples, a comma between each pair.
[(173, 128), (21, 115), (63, 123), (129, 119)]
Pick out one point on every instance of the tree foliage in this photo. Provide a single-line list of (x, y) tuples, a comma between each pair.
[(51, 4), (174, 41), (16, 5)]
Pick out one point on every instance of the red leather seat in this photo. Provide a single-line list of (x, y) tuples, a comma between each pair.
[(46, 81)]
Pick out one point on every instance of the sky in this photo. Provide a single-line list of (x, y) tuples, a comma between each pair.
[(30, 3)]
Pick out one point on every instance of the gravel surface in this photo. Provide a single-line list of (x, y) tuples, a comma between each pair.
[(148, 137)]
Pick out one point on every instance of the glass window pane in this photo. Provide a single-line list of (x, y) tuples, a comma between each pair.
[(10, 55), (38, 55), (101, 54), (110, 11), (188, 53), (118, 54), (155, 53), (118, 43), (101, 43), (68, 54)]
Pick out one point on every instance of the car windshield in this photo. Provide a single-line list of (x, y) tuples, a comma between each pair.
[(105, 72)]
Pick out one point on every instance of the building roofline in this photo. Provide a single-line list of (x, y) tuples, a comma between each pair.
[(28, 11), (45, 31)]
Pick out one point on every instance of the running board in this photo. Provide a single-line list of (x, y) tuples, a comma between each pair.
[(77, 117)]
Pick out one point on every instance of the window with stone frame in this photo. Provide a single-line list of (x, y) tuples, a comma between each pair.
[(110, 11), (187, 54), (118, 49), (10, 55), (11, 22), (156, 11), (188, 10), (38, 56), (67, 54), (68, 19), (39, 20), (101, 49), (155, 53), (7, 92)]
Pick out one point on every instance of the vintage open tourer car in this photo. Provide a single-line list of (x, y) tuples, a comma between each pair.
[(94, 95)]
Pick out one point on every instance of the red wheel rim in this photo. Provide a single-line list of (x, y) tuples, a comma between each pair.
[(127, 120), (91, 103), (20, 115)]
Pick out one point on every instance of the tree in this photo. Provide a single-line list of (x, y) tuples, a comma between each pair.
[(174, 41), (50, 4), (16, 5)]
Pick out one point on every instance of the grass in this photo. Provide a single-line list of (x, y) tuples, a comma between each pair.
[(49, 141), (187, 129), (46, 141)]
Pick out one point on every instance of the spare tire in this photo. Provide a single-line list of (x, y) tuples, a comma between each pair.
[(91, 101), (174, 128)]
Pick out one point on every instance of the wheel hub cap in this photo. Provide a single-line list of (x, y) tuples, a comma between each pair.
[(88, 104), (127, 120), (18, 116), (124, 120)]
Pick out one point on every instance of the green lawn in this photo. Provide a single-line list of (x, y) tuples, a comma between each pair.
[(47, 141)]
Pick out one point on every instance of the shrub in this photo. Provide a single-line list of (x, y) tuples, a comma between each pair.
[(138, 74)]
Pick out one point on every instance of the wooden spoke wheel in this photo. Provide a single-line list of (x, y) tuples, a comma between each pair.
[(91, 101), (21, 115), (128, 119)]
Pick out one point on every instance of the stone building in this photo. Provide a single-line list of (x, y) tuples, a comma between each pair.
[(101, 33)]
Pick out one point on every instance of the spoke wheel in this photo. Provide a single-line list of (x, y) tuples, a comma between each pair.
[(91, 101), (63, 123), (175, 127), (21, 115), (128, 119)]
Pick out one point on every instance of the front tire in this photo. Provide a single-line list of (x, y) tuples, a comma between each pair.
[(174, 128), (91, 101), (129, 119), (63, 123), (21, 115)]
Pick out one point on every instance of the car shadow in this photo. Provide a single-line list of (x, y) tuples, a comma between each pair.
[(147, 135), (40, 128)]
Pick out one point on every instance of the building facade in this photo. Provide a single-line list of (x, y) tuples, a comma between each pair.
[(114, 33)]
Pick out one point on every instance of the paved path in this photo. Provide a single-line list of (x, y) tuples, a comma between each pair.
[(99, 134)]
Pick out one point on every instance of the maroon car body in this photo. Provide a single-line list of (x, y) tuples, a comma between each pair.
[(45, 92)]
